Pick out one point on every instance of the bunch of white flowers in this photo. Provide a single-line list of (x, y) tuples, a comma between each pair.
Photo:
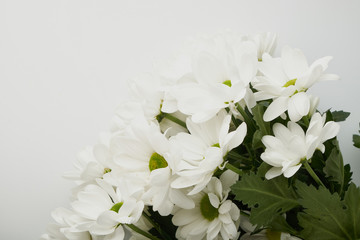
[(224, 110)]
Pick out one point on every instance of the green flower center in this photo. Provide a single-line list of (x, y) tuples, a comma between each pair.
[(272, 235), (107, 170), (216, 145), (157, 161), (290, 82), (208, 211), (116, 207), (227, 83)]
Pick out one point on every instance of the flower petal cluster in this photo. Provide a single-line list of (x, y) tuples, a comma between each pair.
[(290, 145), (186, 132), (286, 80), (213, 215), (202, 150)]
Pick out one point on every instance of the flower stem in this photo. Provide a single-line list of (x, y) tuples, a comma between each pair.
[(237, 156), (306, 120), (174, 119), (248, 121), (142, 232), (312, 173), (233, 168), (156, 226)]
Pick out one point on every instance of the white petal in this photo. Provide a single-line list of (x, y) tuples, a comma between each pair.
[(101, 153), (225, 207), (276, 108), (299, 106), (228, 178), (237, 137), (330, 130), (273, 172), (107, 218), (323, 62), (119, 234), (282, 133), (291, 171), (213, 230), (272, 69), (214, 200), (294, 62), (101, 230), (184, 217), (296, 129), (180, 199), (224, 129), (208, 69), (272, 142)]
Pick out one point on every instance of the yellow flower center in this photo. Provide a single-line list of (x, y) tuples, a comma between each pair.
[(157, 161)]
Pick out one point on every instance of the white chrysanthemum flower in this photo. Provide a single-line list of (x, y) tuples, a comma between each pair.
[(286, 80), (63, 228), (105, 209), (213, 215), (146, 152), (202, 151), (222, 72), (291, 145), (92, 162), (128, 112), (265, 43), (266, 234)]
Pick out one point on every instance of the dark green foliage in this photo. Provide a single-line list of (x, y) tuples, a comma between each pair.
[(267, 198), (164, 228), (339, 116), (325, 216), (356, 140)]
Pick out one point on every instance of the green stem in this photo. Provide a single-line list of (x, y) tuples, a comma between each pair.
[(312, 173), (262, 127), (248, 121), (142, 232), (237, 156), (233, 168), (174, 119), (306, 120), (156, 226), (249, 149)]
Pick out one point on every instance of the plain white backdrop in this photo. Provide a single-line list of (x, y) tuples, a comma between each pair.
[(64, 63)]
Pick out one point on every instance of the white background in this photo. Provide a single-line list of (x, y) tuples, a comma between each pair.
[(63, 66)]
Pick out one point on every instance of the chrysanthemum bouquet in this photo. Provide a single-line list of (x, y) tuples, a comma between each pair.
[(222, 141)]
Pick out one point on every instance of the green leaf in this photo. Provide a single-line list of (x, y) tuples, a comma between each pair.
[(324, 215), (352, 201), (339, 116), (268, 199), (280, 225), (347, 176), (256, 141), (258, 112), (356, 140), (334, 167)]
